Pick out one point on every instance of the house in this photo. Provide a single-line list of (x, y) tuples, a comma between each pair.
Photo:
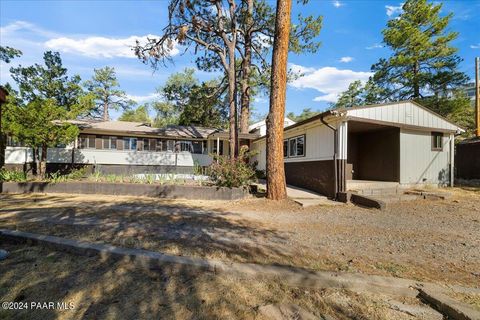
[(261, 126), (121, 147), (402, 143)]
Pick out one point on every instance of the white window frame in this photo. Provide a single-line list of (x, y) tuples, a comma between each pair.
[(295, 140)]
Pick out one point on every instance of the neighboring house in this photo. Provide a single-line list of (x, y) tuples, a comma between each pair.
[(399, 142), (132, 147), (261, 126)]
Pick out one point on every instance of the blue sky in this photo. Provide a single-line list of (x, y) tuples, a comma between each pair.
[(93, 34)]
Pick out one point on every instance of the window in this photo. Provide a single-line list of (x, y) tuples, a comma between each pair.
[(183, 146), (170, 145), (86, 142), (160, 145), (130, 143), (295, 146), (198, 146), (437, 141), (146, 144), (13, 142), (214, 148), (109, 142)]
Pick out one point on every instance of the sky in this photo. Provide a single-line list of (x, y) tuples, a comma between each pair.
[(94, 34)]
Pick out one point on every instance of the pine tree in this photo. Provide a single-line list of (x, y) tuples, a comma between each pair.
[(423, 62)]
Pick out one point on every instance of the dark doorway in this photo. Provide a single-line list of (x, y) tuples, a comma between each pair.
[(373, 152)]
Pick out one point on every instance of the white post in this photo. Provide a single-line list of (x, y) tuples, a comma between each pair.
[(452, 159), (218, 146)]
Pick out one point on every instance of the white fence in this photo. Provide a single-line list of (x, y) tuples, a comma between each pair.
[(14, 155)]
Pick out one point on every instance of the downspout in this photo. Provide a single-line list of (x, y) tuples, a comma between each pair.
[(335, 173)]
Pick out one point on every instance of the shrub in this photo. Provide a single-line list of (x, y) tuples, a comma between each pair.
[(232, 173), (76, 174), (12, 175)]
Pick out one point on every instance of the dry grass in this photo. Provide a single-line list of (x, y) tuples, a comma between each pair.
[(423, 240), (115, 290)]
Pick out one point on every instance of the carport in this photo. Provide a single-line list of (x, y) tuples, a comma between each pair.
[(373, 152)]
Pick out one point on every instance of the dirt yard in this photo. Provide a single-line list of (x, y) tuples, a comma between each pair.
[(101, 290), (426, 240)]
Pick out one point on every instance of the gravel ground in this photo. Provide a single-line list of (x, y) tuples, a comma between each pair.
[(425, 240)]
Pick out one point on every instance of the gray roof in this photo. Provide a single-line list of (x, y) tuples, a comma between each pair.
[(144, 128)]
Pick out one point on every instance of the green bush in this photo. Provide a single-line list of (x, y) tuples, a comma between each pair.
[(76, 174), (12, 175), (232, 173)]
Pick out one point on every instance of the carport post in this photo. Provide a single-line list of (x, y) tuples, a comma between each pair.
[(452, 159)]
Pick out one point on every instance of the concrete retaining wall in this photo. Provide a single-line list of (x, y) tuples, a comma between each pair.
[(127, 189)]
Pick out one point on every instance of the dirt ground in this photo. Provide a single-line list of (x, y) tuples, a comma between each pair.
[(96, 289), (426, 240)]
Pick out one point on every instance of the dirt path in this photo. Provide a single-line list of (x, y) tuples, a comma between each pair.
[(424, 240)]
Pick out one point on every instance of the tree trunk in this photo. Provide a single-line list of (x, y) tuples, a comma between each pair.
[(416, 87), (105, 112), (246, 67), (2, 140), (43, 162), (232, 97), (276, 186)]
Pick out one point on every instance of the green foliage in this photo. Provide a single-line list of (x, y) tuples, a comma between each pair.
[(139, 114), (104, 87), (305, 114), (12, 175), (165, 114), (423, 58), (189, 102), (204, 108), (40, 123), (48, 81), (8, 53), (456, 107), (351, 97), (233, 173)]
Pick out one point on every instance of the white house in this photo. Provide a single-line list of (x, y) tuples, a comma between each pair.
[(131, 147), (261, 126), (400, 142)]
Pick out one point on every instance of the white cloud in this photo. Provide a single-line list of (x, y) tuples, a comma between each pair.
[(337, 4), (329, 81), (393, 10), (21, 26), (145, 98), (300, 69), (374, 46), (101, 47), (475, 46), (346, 59)]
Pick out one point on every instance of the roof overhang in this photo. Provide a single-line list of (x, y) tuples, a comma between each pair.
[(224, 135)]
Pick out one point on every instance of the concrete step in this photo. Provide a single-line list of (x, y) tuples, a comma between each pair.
[(378, 191)]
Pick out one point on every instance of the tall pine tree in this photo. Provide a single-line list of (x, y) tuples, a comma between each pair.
[(424, 62)]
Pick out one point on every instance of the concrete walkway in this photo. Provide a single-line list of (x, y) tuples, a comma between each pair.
[(304, 197)]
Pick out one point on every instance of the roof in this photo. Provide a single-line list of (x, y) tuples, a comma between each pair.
[(187, 131), (262, 123), (353, 113), (144, 128)]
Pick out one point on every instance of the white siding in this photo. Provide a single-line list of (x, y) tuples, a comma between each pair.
[(94, 156), (418, 163), (18, 155), (405, 113), (260, 148), (318, 145)]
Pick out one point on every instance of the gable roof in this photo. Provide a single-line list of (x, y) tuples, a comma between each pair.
[(401, 113), (407, 113)]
